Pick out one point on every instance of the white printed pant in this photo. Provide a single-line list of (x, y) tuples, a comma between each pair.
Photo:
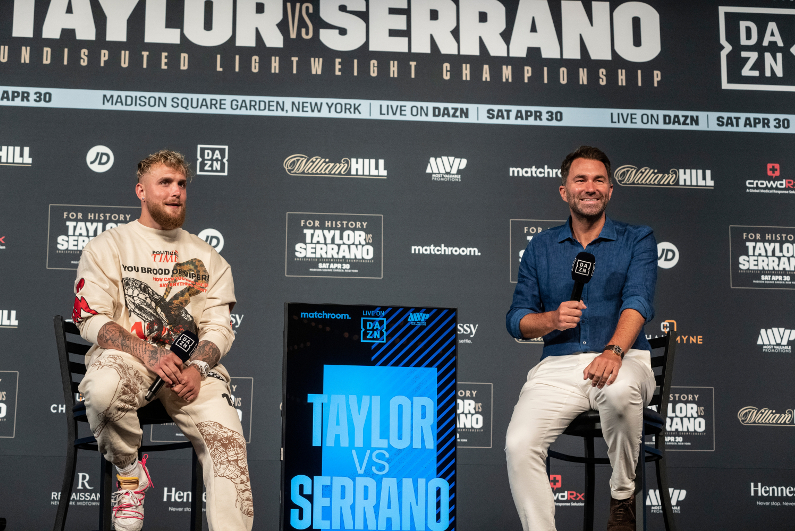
[(554, 394), (114, 388)]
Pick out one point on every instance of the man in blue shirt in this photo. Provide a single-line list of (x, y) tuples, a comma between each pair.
[(595, 353)]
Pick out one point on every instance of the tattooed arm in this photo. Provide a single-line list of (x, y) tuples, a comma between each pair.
[(159, 360), (207, 352)]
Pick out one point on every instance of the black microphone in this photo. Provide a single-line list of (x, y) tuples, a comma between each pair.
[(183, 346), (581, 271)]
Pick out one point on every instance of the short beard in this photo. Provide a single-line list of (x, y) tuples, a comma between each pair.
[(574, 206), (164, 219)]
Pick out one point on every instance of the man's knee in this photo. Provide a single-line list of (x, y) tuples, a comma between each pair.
[(620, 397), (521, 443)]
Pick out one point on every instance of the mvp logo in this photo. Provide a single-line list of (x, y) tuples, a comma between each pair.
[(373, 330), (418, 319)]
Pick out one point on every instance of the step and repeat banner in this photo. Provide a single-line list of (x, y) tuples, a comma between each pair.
[(402, 153)]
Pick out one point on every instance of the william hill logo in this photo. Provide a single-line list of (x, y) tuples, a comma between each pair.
[(303, 165), (629, 175), (418, 318)]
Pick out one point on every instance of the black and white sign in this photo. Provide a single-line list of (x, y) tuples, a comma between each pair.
[(690, 419), (71, 227), (474, 414), (762, 257), (334, 245)]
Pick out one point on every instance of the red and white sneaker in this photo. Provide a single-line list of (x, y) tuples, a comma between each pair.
[(128, 500)]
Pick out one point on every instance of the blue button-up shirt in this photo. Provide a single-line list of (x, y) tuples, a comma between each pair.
[(625, 275)]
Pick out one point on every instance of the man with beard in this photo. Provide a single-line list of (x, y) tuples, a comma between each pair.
[(596, 355), (138, 287)]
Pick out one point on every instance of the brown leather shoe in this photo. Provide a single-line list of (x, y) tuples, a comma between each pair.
[(622, 515)]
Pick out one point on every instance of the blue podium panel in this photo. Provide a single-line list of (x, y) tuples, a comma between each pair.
[(368, 418)]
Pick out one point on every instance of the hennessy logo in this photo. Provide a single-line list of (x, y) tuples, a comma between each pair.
[(751, 415), (303, 165)]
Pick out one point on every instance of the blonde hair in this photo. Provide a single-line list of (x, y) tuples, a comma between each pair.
[(172, 159)]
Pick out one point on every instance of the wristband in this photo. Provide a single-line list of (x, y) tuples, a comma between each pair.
[(616, 349), (200, 365)]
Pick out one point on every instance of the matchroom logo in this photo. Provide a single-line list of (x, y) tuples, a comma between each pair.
[(334, 245), (71, 227)]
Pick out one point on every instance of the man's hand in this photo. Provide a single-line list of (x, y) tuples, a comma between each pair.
[(603, 370), (567, 315), (167, 365), (191, 383)]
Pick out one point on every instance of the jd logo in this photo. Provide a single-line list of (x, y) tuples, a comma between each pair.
[(99, 159), (773, 170), (213, 237), (667, 255)]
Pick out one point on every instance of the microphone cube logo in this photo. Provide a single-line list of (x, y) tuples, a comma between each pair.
[(773, 170), (582, 267), (184, 342)]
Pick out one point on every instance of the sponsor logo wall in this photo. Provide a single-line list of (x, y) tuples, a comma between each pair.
[(392, 143)]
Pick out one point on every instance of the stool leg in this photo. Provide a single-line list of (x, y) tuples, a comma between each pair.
[(590, 484), (640, 489), (66, 487), (105, 490), (662, 484), (197, 488)]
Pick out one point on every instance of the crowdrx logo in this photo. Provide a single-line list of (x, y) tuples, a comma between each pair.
[(303, 165), (775, 339), (446, 168), (566, 497), (774, 184)]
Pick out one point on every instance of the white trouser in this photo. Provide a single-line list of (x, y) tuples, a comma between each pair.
[(554, 394)]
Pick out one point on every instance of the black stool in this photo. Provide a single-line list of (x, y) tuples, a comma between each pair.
[(588, 426), (152, 413)]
